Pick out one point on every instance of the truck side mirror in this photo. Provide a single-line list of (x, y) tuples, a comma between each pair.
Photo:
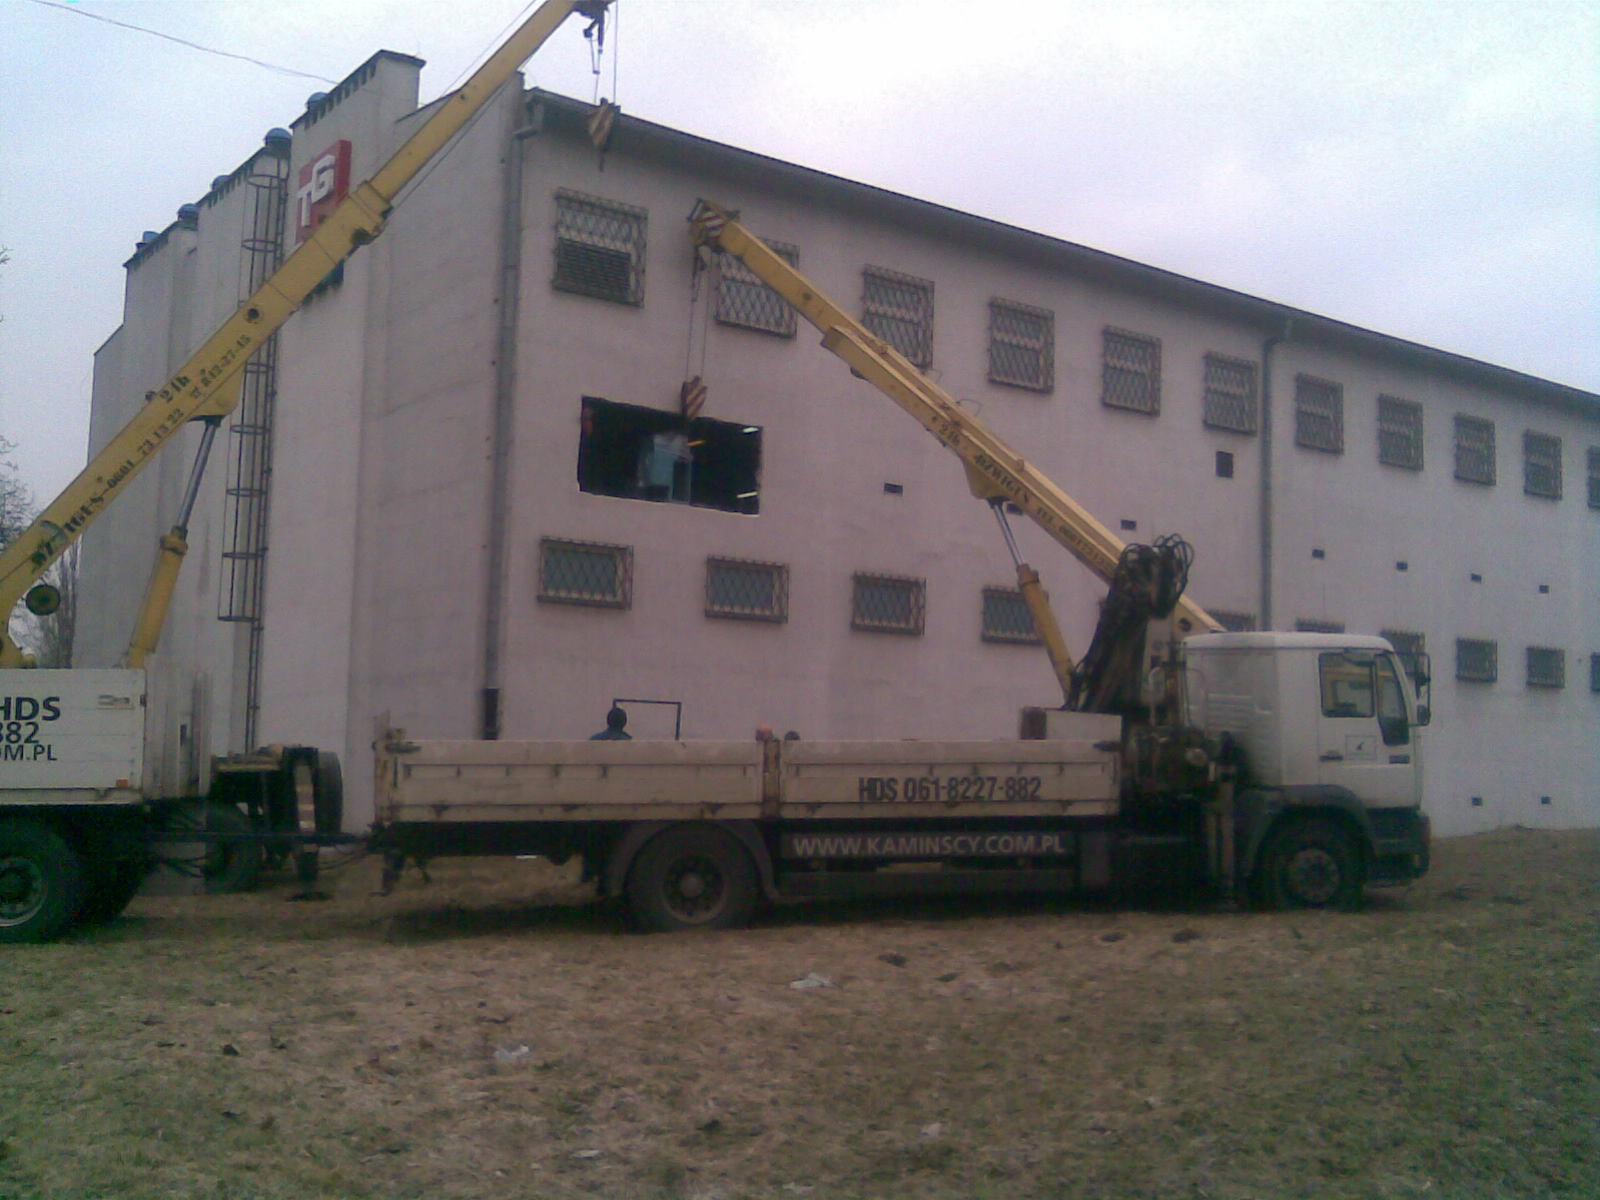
[(1424, 714)]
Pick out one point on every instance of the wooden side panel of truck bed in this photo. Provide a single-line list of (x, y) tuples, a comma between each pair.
[(568, 781), (465, 781)]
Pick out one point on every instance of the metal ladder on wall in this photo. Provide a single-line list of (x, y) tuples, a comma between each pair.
[(244, 555)]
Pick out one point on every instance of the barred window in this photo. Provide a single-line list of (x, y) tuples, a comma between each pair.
[(1594, 672), (1410, 647), (1475, 450), (1022, 345), (585, 573), (1477, 661), (1547, 667), (1233, 622), (744, 590), (1541, 465), (599, 248), (899, 309), (1312, 625), (1318, 414), (888, 604), (1594, 476), (743, 300), (1130, 373), (1230, 394), (1400, 432), (1006, 617)]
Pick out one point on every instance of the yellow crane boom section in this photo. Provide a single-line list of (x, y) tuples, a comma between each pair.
[(994, 470), (209, 384)]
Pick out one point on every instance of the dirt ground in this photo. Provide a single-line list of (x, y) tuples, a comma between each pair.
[(483, 1035)]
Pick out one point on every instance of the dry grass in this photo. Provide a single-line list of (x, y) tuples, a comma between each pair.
[(1445, 1043)]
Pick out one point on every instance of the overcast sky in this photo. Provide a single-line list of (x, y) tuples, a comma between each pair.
[(1430, 170)]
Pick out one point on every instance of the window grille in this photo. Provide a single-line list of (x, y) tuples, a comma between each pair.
[(888, 604), (1475, 450), (1400, 432), (899, 309), (599, 248), (1594, 672), (1022, 345), (1477, 661), (1311, 625), (1130, 372), (585, 573), (1230, 394), (1410, 647), (744, 590), (1233, 622), (1006, 617), (1541, 465), (1547, 667), (1318, 414), (1594, 476), (743, 300)]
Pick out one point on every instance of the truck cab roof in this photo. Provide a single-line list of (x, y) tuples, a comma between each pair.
[(1207, 642)]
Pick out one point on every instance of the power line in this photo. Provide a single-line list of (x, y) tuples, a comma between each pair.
[(183, 42)]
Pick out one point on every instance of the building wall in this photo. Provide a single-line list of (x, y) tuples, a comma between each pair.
[(381, 534)]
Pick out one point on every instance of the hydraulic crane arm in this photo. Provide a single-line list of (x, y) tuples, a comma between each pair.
[(995, 472), (207, 386)]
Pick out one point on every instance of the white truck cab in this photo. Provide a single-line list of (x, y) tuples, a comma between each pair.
[(1327, 728)]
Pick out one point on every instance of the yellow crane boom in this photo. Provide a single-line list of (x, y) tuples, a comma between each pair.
[(995, 472), (207, 387)]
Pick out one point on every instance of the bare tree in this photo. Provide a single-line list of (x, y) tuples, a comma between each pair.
[(16, 500)]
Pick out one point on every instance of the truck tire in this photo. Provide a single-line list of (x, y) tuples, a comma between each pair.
[(41, 882), (1312, 864), (692, 877), (328, 789), (110, 889), (223, 866)]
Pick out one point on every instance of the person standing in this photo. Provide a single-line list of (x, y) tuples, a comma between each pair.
[(615, 730)]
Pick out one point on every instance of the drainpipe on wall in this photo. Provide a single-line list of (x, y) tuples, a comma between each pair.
[(1267, 347), (500, 434)]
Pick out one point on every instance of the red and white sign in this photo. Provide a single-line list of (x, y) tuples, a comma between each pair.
[(324, 181)]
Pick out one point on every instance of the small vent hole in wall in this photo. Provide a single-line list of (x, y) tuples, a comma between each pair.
[(1544, 589), (894, 489), (1544, 799), (1127, 524), (1224, 464), (1477, 802), (1402, 565), (1319, 552), (1476, 578)]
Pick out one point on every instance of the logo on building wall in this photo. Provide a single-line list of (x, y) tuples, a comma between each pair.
[(324, 181)]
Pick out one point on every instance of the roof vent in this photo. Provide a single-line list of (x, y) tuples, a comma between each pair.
[(148, 236), (188, 213), (217, 183), (278, 139), (315, 99)]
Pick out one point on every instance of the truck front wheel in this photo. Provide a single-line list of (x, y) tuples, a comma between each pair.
[(1312, 864), (41, 882), (692, 878)]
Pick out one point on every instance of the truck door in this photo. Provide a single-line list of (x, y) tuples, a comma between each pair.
[(1364, 738)]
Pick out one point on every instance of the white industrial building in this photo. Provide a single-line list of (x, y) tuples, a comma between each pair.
[(483, 513)]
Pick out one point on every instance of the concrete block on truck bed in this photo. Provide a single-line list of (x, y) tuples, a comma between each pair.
[(1079, 778), (426, 781), (75, 732)]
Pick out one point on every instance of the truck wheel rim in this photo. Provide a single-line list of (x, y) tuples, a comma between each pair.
[(1314, 876), (694, 889), (22, 890)]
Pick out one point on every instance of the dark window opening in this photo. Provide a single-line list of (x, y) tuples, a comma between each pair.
[(1224, 464), (650, 454)]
